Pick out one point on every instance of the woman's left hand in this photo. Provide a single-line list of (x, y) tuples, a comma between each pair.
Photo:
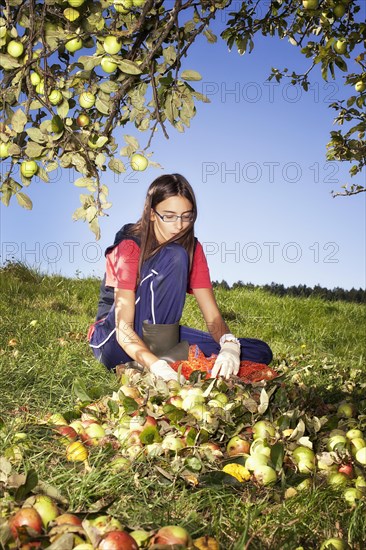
[(228, 361)]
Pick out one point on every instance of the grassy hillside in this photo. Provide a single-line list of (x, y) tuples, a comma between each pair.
[(319, 349)]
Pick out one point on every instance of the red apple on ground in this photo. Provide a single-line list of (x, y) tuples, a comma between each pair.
[(118, 540), (68, 434), (93, 434), (346, 469), (68, 518), (25, 517), (172, 534), (237, 446)]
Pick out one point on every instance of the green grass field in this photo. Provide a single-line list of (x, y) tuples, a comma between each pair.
[(319, 351)]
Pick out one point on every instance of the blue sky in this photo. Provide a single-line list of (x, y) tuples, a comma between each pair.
[(255, 156)]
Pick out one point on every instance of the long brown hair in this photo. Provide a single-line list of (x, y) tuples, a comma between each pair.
[(163, 187)]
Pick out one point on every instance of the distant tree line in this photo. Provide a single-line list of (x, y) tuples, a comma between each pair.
[(337, 293)]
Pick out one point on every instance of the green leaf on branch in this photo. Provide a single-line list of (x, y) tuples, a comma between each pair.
[(83, 182), (94, 227), (63, 109), (191, 75), (103, 106), (36, 135), (117, 166), (24, 201), (89, 61), (19, 120), (129, 67), (8, 62), (33, 150), (131, 140), (211, 37), (41, 172)]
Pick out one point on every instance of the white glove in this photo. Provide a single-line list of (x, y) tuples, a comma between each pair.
[(228, 361), (162, 370)]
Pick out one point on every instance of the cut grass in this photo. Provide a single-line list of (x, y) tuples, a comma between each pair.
[(318, 346)]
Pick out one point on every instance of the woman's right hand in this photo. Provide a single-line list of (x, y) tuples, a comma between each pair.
[(161, 369)]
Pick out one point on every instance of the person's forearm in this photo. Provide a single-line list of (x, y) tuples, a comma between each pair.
[(218, 328), (133, 345)]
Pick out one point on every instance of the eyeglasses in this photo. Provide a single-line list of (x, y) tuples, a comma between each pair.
[(170, 218)]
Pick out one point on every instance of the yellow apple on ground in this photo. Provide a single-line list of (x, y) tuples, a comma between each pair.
[(76, 452)]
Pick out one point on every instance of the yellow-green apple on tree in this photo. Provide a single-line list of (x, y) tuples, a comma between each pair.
[(123, 6), (71, 14), (360, 86), (111, 44), (74, 44), (4, 148), (310, 4), (108, 64), (340, 46), (75, 3), (55, 97), (86, 100), (35, 78), (15, 48), (28, 168), (139, 162), (82, 120)]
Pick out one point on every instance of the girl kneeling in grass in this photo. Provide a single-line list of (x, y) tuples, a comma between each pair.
[(150, 267)]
